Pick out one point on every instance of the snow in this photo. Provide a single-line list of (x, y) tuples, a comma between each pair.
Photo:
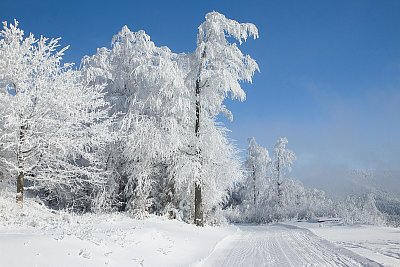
[(57, 238), (46, 238), (378, 243), (37, 236), (280, 245), (109, 240)]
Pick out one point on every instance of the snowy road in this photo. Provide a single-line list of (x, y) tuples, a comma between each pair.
[(280, 245)]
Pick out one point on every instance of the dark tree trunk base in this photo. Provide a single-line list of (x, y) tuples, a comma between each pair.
[(20, 188), (198, 212)]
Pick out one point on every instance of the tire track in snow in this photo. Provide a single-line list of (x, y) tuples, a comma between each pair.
[(280, 245)]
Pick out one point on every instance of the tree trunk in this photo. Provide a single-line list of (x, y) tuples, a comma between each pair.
[(279, 185), (122, 201), (170, 199), (198, 212), (20, 188), (171, 192), (254, 185), (21, 174)]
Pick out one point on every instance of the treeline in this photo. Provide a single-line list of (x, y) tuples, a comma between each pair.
[(269, 194), (133, 129)]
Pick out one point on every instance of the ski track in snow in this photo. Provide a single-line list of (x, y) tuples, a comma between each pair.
[(280, 246)]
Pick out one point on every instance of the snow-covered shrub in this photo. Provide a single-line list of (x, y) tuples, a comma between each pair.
[(216, 216), (360, 210), (390, 207), (295, 202)]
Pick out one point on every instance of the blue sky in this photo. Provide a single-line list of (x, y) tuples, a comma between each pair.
[(330, 70)]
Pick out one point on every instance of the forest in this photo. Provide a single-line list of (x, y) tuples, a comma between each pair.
[(135, 129)]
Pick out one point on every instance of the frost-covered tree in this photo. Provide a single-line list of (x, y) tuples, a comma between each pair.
[(282, 162), (218, 169), (217, 67), (360, 210), (52, 124), (257, 164), (161, 99), (146, 89), (273, 197)]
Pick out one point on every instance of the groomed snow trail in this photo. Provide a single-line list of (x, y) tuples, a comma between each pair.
[(280, 246)]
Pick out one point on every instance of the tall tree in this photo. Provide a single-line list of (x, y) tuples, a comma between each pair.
[(218, 67), (146, 89), (282, 162), (52, 123), (257, 164)]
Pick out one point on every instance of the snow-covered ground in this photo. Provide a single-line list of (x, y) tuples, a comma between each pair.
[(114, 240), (38, 237), (280, 245), (380, 244)]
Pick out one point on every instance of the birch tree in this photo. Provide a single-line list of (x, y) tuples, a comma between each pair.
[(218, 66)]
